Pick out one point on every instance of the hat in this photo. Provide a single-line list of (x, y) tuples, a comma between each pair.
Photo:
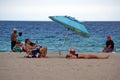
[(14, 29), (108, 37)]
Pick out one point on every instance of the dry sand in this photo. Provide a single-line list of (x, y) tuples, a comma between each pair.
[(13, 66)]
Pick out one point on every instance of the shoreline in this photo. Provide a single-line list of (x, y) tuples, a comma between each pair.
[(63, 52), (13, 66)]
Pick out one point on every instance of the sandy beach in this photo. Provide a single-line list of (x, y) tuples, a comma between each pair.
[(13, 66)]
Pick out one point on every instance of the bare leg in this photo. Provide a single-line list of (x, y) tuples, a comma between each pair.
[(43, 51), (103, 57), (91, 56)]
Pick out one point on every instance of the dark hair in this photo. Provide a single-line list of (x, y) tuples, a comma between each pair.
[(26, 40), (67, 56), (20, 33)]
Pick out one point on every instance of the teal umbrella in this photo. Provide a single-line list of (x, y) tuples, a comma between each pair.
[(71, 23)]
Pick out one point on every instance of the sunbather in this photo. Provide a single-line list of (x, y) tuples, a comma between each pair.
[(40, 51), (85, 56)]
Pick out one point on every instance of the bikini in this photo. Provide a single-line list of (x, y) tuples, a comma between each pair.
[(73, 53)]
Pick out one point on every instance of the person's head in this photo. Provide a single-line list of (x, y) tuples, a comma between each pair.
[(20, 33), (108, 37), (14, 30), (27, 41)]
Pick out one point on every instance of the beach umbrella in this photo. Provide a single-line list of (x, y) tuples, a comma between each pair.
[(72, 24)]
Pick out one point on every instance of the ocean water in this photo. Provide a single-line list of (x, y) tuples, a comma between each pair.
[(52, 35)]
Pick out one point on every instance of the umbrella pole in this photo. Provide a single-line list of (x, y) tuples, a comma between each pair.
[(63, 43)]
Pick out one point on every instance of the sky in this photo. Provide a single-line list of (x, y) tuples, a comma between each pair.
[(40, 10)]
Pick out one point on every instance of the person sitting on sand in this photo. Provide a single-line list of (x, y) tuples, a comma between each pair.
[(109, 47), (84, 56), (41, 50)]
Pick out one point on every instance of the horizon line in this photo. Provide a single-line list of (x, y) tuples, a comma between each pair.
[(78, 20)]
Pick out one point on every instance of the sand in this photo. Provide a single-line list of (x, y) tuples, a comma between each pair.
[(13, 66)]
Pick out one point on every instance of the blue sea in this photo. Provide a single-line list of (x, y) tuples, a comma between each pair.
[(52, 35)]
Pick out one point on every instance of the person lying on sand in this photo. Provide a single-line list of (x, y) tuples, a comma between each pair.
[(84, 56)]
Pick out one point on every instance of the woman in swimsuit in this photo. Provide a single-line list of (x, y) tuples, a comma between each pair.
[(41, 50), (84, 56)]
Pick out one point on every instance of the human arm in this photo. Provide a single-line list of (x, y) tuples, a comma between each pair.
[(70, 56), (31, 47), (106, 48)]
